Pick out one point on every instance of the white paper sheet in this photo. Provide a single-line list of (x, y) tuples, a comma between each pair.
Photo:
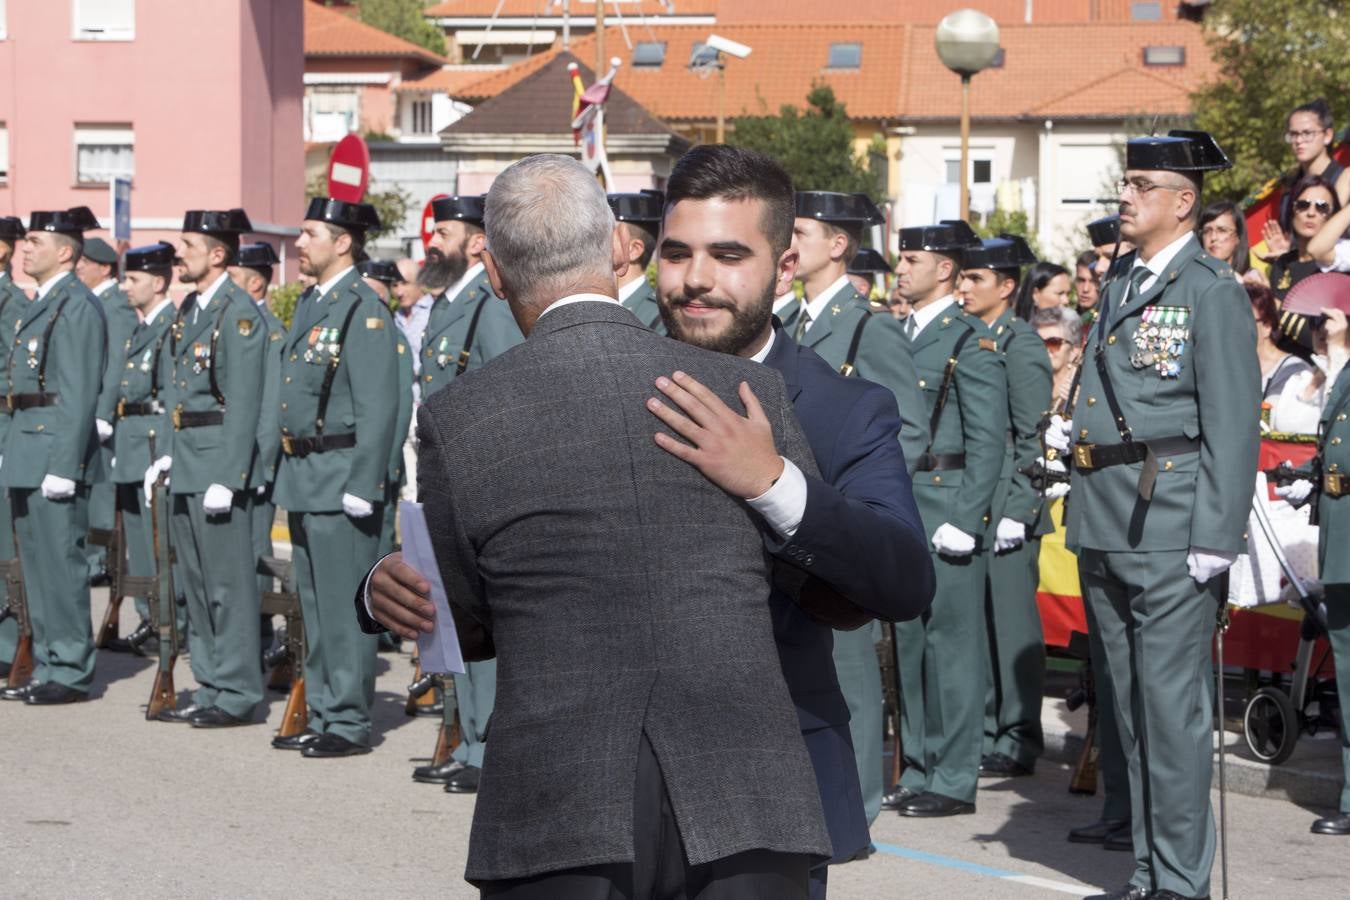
[(437, 650)]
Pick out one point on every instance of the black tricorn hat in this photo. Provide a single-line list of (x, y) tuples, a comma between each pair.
[(381, 270), (950, 236), (1105, 230), (351, 216), (643, 208), (156, 257), (217, 221), (1007, 251), (257, 256), (73, 222), (1179, 151), (11, 228), (868, 262), (465, 209), (838, 209)]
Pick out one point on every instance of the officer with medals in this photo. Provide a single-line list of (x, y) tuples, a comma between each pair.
[(339, 372), (1016, 647), (13, 306), (961, 374), (1164, 441), (214, 375), (468, 326), (836, 322), (638, 218), (141, 426), (50, 456)]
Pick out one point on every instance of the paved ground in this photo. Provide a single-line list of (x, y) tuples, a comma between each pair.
[(97, 802)]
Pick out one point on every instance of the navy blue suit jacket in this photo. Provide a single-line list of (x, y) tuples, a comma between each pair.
[(862, 535)]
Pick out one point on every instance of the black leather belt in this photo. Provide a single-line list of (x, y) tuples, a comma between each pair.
[(940, 462), (125, 409), (1087, 457), (183, 419), (30, 401), (301, 447)]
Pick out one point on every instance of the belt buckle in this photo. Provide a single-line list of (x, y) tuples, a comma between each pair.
[(9, 401), (1333, 484), (1082, 456), (121, 408), (178, 417), (287, 445), (846, 369)]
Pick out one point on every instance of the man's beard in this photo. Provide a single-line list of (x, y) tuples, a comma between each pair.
[(441, 270), (746, 324)]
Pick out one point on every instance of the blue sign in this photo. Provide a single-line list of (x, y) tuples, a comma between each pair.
[(121, 209)]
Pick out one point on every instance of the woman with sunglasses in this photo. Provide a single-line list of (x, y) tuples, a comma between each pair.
[(1314, 201)]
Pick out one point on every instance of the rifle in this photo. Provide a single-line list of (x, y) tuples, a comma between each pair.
[(890, 692), (1084, 778), (114, 545), (421, 698), (159, 593), (448, 735), (21, 667), (286, 602)]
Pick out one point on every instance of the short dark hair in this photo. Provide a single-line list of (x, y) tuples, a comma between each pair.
[(358, 240), (1241, 260), (230, 243), (74, 241), (1304, 184), (1037, 278), (725, 172), (1087, 260), (648, 243), (1319, 108)]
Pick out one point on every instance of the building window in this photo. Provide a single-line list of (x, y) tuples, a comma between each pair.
[(103, 152), (103, 20), (649, 54), (845, 56), (1146, 11), (4, 153), (420, 117), (332, 112), (999, 59), (702, 56), (1164, 56), (981, 171)]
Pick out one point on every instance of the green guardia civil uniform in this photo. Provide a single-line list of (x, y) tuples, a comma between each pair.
[(883, 358), (13, 305), (1177, 357), (642, 303), (1016, 646), (397, 477), (55, 372), (444, 342), (343, 448), (121, 320), (140, 419), (268, 448), (942, 681), (215, 373)]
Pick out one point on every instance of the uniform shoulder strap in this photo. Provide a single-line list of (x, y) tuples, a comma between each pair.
[(46, 341), (944, 389), (848, 368), (334, 360), (467, 352)]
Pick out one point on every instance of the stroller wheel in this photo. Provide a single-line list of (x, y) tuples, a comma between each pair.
[(1270, 725)]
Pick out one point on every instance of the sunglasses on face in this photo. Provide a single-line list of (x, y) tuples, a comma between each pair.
[(1054, 344), (1321, 206)]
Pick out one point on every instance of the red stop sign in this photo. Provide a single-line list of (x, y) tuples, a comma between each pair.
[(429, 219), (349, 170)]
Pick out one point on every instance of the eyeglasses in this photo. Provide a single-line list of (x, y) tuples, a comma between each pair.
[(1054, 344), (1142, 186), (1293, 137), (1321, 206)]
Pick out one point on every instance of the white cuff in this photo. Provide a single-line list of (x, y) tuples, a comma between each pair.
[(784, 504), (365, 589), (1341, 261)]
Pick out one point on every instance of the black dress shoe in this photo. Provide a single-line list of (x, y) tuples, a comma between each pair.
[(438, 774), (183, 715), (51, 694), (1173, 895), (16, 693), (118, 645), (431, 709), (101, 578), (929, 805), (464, 782), (1000, 765), (331, 746), (1337, 824), (215, 717), (1097, 831), (1122, 839), (295, 741), (1128, 892), (898, 798)]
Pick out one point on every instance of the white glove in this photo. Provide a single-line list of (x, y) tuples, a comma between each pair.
[(1057, 490), (54, 487), (1009, 535), (104, 429), (1202, 565), (217, 500), (952, 541), (262, 489), (157, 468), (1060, 433), (1296, 492), (356, 507)]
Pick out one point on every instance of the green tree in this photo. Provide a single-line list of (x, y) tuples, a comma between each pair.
[(1273, 55), (283, 299), (1003, 222), (815, 146), (392, 205), (403, 18)]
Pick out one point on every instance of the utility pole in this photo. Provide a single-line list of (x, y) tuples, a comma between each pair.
[(601, 61)]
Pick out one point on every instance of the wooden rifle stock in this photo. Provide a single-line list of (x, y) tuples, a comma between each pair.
[(295, 718), (21, 667), (163, 600), (890, 692), (448, 736), (113, 544), (107, 632), (1084, 778)]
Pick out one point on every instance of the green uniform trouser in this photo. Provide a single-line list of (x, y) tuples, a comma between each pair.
[(102, 502), (859, 672), (1156, 626), (56, 574), (9, 629), (332, 553), (1015, 661), (1111, 765), (475, 693), (215, 561), (1338, 632), (942, 682), (263, 514)]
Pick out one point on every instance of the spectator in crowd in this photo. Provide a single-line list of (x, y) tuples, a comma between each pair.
[(1223, 232), (898, 303), (1330, 247), (1310, 133), (1314, 202), (1086, 284), (1045, 286), (1289, 384), (1062, 332), (414, 306)]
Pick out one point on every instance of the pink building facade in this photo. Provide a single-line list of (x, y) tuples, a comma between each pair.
[(199, 103)]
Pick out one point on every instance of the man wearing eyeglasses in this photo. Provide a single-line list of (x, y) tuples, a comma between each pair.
[(1164, 441)]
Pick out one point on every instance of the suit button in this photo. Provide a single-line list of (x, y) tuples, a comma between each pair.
[(937, 479), (1335, 441), (809, 559), (1168, 466), (42, 428), (428, 378), (294, 357), (1092, 401), (131, 365), (1341, 417), (986, 520), (283, 406), (923, 383), (1082, 434), (1111, 339), (288, 379)]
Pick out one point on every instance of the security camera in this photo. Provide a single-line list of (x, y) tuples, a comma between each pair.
[(730, 47)]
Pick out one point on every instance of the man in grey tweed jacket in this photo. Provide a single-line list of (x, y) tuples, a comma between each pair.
[(644, 740)]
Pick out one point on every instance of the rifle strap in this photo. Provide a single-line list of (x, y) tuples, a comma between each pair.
[(333, 361), (46, 341), (848, 368), (948, 375), (211, 369), (467, 352)]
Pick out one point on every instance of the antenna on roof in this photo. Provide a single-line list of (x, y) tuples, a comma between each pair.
[(1153, 129), (492, 21)]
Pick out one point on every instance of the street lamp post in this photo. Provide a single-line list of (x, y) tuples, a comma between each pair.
[(711, 55), (967, 42)]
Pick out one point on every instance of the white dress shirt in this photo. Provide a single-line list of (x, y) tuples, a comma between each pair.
[(46, 287), (1161, 260), (783, 302), (204, 297), (106, 286), (816, 308), (921, 317), (150, 316), (452, 293), (631, 288)]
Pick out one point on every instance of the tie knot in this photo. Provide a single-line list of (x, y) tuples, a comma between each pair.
[(1139, 275)]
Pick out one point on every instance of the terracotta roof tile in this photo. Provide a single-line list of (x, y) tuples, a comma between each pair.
[(450, 79), (331, 33), (496, 83), (543, 8)]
